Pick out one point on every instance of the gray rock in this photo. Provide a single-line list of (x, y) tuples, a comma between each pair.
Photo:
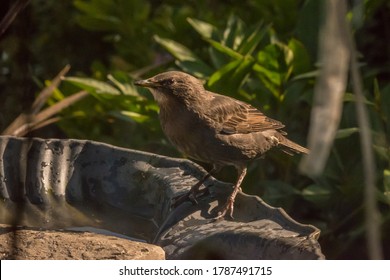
[(59, 184)]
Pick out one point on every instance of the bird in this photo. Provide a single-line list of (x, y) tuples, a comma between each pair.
[(214, 128)]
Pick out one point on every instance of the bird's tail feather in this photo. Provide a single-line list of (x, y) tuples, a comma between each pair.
[(291, 146)]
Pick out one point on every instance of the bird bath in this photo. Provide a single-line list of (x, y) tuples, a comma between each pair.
[(91, 186)]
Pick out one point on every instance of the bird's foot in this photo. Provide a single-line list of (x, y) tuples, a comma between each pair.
[(226, 211), (190, 195)]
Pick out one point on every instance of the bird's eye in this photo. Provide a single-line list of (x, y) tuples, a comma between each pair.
[(169, 82)]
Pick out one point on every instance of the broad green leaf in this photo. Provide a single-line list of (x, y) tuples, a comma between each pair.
[(125, 88), (224, 49), (186, 57), (179, 51), (90, 8), (233, 34), (350, 97), (250, 43), (206, 30), (130, 116), (218, 59), (217, 76), (195, 68), (97, 16), (93, 86), (272, 62), (301, 60), (267, 82), (346, 132), (229, 78)]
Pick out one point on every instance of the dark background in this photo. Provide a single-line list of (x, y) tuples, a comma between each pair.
[(115, 42)]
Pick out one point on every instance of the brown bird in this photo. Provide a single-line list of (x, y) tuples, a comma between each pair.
[(214, 128)]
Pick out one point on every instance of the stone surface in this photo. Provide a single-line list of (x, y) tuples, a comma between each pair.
[(37, 244), (61, 184)]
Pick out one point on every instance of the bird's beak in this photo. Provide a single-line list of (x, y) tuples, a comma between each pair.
[(146, 83)]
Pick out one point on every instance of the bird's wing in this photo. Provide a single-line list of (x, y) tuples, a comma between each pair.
[(231, 116)]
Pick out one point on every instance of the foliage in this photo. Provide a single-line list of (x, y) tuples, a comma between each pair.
[(262, 52)]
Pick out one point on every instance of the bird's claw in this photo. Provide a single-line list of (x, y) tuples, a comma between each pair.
[(226, 211), (190, 195)]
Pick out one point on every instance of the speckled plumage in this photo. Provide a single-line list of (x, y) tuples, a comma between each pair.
[(214, 128)]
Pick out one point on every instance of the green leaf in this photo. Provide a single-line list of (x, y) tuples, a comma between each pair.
[(206, 30), (350, 97), (383, 152), (179, 51), (386, 185), (187, 59), (218, 59), (307, 75), (130, 116), (316, 194), (218, 75), (253, 40), (93, 86), (125, 88), (195, 68), (97, 16), (346, 132), (301, 60), (377, 92), (229, 78), (233, 34), (272, 62), (224, 49)]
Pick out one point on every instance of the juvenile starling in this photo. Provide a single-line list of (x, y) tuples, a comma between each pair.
[(214, 128)]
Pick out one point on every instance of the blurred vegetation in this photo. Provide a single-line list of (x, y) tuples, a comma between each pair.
[(263, 52)]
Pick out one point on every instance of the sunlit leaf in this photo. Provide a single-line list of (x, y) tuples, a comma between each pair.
[(229, 78), (130, 116), (301, 60), (206, 30), (224, 49), (233, 34), (186, 57), (272, 62), (307, 75), (194, 68), (92, 85), (346, 132), (253, 39), (125, 88), (179, 51), (217, 76)]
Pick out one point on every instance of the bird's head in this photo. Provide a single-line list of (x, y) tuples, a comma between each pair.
[(173, 84)]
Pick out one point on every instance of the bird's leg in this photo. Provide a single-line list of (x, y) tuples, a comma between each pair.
[(229, 205), (192, 193)]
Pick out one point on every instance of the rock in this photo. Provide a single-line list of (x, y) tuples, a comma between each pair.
[(62, 184), (39, 244)]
